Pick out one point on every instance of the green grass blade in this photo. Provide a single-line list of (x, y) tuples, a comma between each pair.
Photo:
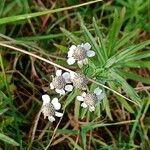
[(114, 30), (8, 140), (70, 98), (138, 56), (138, 64), (37, 14), (125, 86), (125, 39), (133, 76), (92, 41), (122, 101), (126, 54), (106, 106), (102, 44), (74, 39)]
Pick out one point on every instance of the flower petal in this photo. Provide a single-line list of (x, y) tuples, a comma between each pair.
[(68, 88), (85, 61), (45, 98), (84, 105), (82, 45), (51, 86), (66, 76), (58, 114), (91, 108), (51, 118), (58, 72), (72, 75), (98, 91), (101, 96), (80, 63), (87, 46), (72, 48), (70, 61), (90, 53), (71, 51), (80, 98), (83, 94), (60, 91), (56, 104)]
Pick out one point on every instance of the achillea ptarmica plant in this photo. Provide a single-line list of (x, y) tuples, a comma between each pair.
[(80, 53), (49, 108), (61, 82), (79, 81), (90, 99)]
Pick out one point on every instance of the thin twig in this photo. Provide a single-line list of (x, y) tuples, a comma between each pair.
[(35, 125), (63, 68), (54, 132)]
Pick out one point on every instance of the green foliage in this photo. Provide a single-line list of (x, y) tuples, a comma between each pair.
[(8, 140), (118, 32)]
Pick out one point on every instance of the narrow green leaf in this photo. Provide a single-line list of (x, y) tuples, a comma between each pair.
[(126, 87), (61, 48), (83, 113), (36, 14), (71, 37), (102, 44), (92, 41), (84, 130), (114, 30), (123, 56), (122, 101), (75, 145), (2, 111), (133, 76), (138, 56), (107, 107), (76, 109), (8, 140), (66, 131), (132, 49), (70, 98), (125, 39), (138, 64)]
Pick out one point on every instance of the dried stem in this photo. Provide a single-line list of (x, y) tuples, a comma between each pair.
[(63, 68), (54, 133), (35, 125)]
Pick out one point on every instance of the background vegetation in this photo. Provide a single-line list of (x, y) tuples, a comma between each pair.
[(119, 33)]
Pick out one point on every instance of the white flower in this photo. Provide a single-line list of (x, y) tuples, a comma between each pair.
[(90, 99), (49, 108), (80, 53), (79, 81), (61, 82)]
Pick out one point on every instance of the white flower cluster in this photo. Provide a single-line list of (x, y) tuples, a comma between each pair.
[(90, 99), (80, 53), (64, 82), (49, 108)]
